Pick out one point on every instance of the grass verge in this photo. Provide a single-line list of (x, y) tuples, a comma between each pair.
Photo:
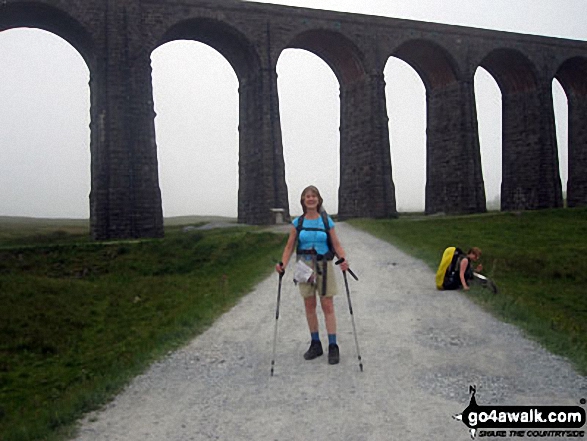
[(80, 319), (538, 260)]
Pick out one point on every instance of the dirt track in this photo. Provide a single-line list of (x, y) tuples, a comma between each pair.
[(421, 350)]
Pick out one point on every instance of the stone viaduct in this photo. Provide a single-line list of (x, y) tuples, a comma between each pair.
[(116, 39)]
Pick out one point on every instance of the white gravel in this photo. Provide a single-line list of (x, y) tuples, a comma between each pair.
[(421, 350)]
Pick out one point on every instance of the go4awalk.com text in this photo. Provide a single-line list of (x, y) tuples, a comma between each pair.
[(531, 433), (523, 421)]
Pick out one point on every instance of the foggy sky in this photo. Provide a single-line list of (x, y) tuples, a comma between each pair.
[(44, 113)]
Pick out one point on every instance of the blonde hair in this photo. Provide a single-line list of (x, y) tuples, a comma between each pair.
[(313, 189)]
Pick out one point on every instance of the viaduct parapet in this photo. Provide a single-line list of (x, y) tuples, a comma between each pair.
[(116, 39)]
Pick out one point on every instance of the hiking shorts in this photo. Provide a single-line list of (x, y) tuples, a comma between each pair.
[(309, 289)]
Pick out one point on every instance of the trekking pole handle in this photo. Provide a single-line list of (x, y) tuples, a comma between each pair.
[(339, 261)]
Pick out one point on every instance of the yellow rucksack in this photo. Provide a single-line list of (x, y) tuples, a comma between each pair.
[(450, 256)]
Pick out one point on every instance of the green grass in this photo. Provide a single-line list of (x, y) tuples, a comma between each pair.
[(538, 260), (79, 319), (21, 231)]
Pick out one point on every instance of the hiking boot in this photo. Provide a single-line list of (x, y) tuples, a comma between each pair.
[(333, 354), (314, 351)]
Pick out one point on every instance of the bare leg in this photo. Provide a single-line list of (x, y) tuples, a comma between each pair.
[(327, 304), (310, 304)]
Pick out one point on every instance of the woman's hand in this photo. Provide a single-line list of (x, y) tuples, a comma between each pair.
[(344, 266), (280, 268)]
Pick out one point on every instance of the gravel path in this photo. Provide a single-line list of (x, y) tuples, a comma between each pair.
[(421, 350)]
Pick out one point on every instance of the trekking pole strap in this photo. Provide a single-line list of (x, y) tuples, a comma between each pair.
[(339, 261)]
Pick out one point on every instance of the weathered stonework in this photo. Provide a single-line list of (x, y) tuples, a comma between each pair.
[(116, 39)]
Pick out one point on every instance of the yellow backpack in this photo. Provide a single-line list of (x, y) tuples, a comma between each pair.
[(449, 259)]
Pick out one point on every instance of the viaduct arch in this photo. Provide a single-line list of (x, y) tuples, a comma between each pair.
[(117, 37)]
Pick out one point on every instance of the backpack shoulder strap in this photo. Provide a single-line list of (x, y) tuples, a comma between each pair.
[(456, 260), (325, 221), (300, 224), (331, 252)]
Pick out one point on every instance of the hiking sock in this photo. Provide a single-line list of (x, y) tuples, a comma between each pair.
[(331, 339), (315, 336)]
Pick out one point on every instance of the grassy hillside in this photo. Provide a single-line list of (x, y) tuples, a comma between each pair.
[(79, 319)]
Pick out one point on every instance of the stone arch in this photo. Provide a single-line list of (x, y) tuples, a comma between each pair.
[(76, 38), (309, 103), (196, 107), (347, 63), (232, 44), (340, 53), (530, 170), (261, 181), (406, 110), (432, 62), (488, 112), (51, 19), (572, 76), (366, 187), (449, 147), (512, 70)]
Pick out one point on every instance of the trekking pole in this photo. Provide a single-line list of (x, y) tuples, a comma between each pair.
[(276, 319), (348, 296)]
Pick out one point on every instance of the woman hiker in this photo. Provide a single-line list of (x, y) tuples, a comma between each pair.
[(466, 267), (317, 246)]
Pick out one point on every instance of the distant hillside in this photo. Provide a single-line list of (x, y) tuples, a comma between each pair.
[(20, 229), (39, 222), (189, 220)]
